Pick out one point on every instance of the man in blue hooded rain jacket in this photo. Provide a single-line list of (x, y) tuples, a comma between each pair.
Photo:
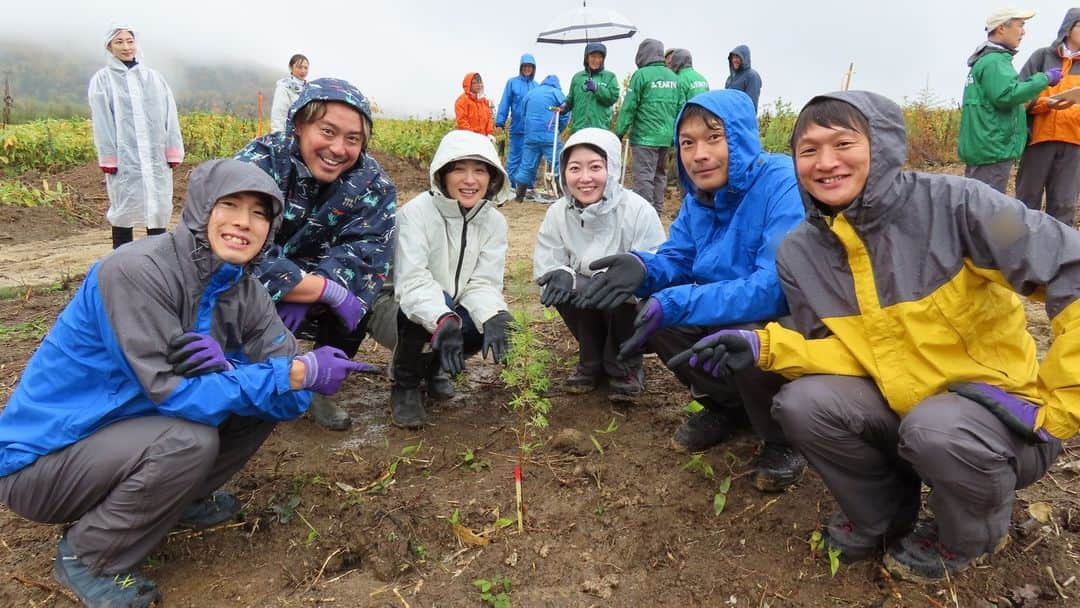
[(160, 379), (539, 111), (511, 107), (717, 269)]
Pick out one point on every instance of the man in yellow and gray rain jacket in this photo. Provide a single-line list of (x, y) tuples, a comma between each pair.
[(911, 360)]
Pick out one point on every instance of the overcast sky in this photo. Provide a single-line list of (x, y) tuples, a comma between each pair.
[(410, 56)]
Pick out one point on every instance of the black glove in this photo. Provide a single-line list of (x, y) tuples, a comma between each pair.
[(449, 343), (622, 274), (558, 286), (495, 338)]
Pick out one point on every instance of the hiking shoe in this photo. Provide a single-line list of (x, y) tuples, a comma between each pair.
[(580, 381), (123, 590), (218, 508), (922, 558), (407, 408), (854, 546), (627, 387), (519, 194), (327, 415), (703, 430), (440, 387), (777, 466)]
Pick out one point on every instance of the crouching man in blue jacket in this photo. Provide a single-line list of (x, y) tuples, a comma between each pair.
[(716, 270), (159, 380)]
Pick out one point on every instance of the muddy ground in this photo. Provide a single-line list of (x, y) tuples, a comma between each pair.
[(614, 517)]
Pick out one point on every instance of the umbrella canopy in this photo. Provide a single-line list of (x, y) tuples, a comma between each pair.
[(587, 24)]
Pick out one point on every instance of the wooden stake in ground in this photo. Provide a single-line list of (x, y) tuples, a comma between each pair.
[(845, 82), (517, 485)]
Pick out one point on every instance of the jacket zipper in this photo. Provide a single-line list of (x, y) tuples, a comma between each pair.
[(461, 253)]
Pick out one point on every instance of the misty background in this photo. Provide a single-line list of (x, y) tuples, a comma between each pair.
[(410, 56)]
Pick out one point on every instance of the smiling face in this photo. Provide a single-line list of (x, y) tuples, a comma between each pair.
[(586, 175), (467, 182), (703, 152), (122, 46), (332, 144), (595, 61), (832, 164), (736, 61), (237, 227)]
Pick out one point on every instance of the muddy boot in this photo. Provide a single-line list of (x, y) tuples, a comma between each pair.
[(407, 408), (440, 387), (777, 466), (519, 193), (327, 415)]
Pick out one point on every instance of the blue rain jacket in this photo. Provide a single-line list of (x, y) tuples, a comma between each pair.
[(539, 120), (718, 266), (513, 98)]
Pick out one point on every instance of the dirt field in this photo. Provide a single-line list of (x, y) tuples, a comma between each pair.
[(613, 518)]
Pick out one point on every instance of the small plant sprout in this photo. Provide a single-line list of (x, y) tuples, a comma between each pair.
[(819, 546), (470, 461), (720, 499), (693, 407), (697, 464), (494, 592)]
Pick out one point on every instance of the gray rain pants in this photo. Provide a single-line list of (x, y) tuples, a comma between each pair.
[(126, 485), (1053, 167), (995, 175), (871, 460), (649, 177)]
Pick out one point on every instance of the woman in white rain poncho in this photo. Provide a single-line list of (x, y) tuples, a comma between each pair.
[(137, 137)]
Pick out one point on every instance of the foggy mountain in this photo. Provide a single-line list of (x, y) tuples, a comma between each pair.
[(46, 82)]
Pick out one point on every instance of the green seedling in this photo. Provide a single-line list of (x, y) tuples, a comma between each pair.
[(596, 444), (720, 499), (697, 464), (470, 461), (494, 592), (819, 546), (693, 407)]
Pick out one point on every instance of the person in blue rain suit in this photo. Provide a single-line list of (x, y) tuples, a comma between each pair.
[(511, 108), (540, 110)]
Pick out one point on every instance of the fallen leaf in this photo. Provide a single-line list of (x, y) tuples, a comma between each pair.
[(467, 536), (1041, 511)]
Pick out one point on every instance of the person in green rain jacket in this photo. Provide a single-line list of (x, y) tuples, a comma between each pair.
[(592, 92)]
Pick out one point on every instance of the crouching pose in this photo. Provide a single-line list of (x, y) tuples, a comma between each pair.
[(448, 273), (716, 270), (912, 361), (159, 380), (596, 217)]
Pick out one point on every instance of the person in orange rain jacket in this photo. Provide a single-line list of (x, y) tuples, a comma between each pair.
[(472, 111)]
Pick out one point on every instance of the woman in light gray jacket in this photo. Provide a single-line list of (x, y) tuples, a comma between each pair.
[(597, 217), (448, 271)]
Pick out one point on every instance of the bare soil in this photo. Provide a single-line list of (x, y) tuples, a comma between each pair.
[(612, 518)]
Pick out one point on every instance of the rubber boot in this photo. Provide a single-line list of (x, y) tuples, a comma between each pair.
[(519, 193), (440, 387), (327, 415), (411, 364)]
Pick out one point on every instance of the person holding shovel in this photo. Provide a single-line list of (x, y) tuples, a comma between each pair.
[(910, 359), (161, 378)]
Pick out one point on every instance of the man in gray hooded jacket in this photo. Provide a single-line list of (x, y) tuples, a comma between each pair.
[(743, 77)]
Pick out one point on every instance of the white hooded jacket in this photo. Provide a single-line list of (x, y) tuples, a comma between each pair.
[(572, 236), (444, 249), (137, 131)]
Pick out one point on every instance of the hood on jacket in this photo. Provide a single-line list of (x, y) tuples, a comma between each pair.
[(527, 59), (985, 48), (214, 179), (680, 58), (649, 51), (331, 89), (466, 83), (736, 110), (1071, 17), (743, 52), (888, 151), (467, 145), (594, 47), (612, 149), (551, 80)]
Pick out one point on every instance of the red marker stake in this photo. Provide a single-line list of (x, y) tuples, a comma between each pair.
[(517, 484)]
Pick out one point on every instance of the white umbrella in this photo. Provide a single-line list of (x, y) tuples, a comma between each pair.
[(587, 24)]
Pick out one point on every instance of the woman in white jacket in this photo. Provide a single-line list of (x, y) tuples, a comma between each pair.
[(137, 137), (287, 91), (448, 271), (596, 217)]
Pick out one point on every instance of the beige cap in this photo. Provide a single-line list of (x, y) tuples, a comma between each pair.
[(1003, 15)]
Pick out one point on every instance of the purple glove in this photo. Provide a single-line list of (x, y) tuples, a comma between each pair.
[(1053, 75), (292, 314), (326, 367), (1015, 413), (722, 353), (345, 305), (193, 354), (563, 109), (590, 85), (649, 319)]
